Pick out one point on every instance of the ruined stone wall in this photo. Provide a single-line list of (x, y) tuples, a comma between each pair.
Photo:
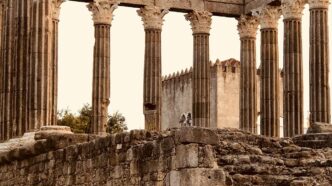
[(177, 157), (135, 158)]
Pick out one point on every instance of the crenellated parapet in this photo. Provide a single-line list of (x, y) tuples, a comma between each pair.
[(226, 66)]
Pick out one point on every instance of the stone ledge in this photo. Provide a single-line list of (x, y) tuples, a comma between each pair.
[(197, 135), (315, 140)]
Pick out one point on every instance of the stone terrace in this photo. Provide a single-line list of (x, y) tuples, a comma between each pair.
[(186, 156)]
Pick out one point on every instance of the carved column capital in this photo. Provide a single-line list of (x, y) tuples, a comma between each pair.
[(318, 4), (247, 26), (102, 11), (268, 16), (292, 9), (56, 6), (152, 16), (200, 21)]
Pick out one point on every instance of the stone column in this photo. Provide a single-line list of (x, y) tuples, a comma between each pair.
[(7, 61), (293, 70), (201, 25), (54, 61), (3, 5), (19, 111), (152, 18), (268, 17), (247, 27), (102, 12), (319, 62), (40, 64)]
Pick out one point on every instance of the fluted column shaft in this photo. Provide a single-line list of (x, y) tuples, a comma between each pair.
[(152, 18), (40, 64), (201, 25), (54, 76), (101, 78), (293, 68), (3, 28), (152, 79), (56, 6), (319, 62), (247, 27), (201, 81), (269, 105), (19, 112), (270, 83), (102, 12), (6, 71)]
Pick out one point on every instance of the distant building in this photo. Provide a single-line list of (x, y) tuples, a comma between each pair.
[(225, 95)]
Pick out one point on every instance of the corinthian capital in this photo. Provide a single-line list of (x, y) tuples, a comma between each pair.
[(247, 26), (56, 6), (152, 16), (200, 21), (292, 9), (102, 11), (268, 16), (318, 4)]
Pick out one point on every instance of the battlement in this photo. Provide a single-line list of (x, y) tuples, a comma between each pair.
[(228, 66)]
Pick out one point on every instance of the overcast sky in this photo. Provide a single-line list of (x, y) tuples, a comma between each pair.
[(76, 40)]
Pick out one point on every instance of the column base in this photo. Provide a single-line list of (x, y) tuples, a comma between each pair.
[(151, 120)]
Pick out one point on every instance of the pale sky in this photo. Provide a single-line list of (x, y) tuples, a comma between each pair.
[(76, 40)]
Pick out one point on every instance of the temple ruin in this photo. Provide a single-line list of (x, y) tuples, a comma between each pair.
[(29, 62), (46, 154)]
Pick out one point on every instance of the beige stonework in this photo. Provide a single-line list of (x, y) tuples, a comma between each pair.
[(247, 26), (319, 4), (268, 16), (102, 11), (292, 9), (225, 96), (152, 16), (200, 21)]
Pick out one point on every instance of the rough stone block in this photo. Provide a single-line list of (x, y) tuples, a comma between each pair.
[(186, 156), (206, 157), (196, 177), (196, 135)]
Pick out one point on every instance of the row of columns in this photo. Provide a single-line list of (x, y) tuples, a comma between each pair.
[(28, 65), (152, 17), (29, 45), (267, 17)]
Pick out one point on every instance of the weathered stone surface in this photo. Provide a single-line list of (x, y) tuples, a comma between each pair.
[(196, 177), (189, 151), (319, 127), (196, 135), (148, 158)]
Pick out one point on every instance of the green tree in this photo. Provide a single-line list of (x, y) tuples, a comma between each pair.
[(65, 118), (116, 123), (81, 123)]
